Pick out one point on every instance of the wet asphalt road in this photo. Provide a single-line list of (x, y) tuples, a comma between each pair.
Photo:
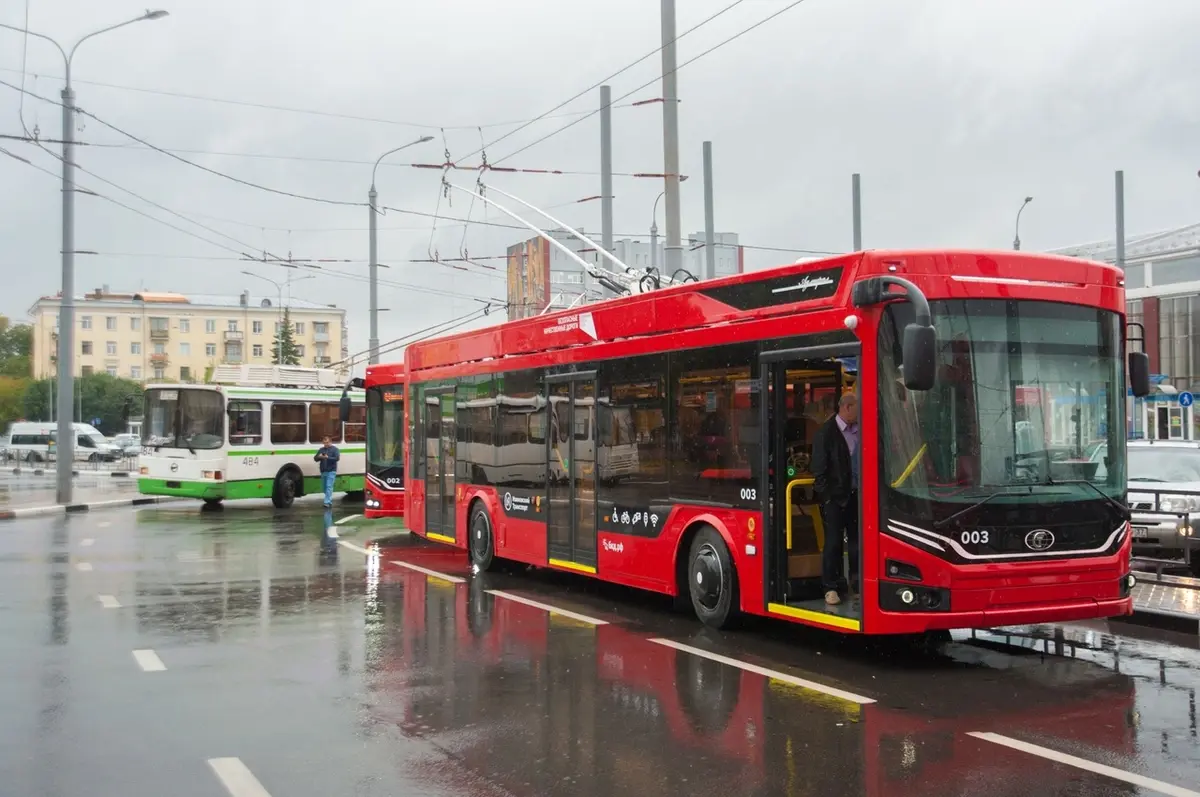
[(168, 650)]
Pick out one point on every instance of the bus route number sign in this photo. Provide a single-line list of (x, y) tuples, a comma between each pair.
[(251, 461)]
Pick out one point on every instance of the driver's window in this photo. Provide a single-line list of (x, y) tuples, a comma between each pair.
[(83, 441)]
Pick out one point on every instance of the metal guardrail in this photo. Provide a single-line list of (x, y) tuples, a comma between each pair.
[(18, 460)]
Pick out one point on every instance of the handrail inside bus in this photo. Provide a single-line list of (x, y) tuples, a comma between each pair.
[(808, 509)]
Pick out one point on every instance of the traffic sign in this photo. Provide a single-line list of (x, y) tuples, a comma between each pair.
[(1186, 399), (96, 421)]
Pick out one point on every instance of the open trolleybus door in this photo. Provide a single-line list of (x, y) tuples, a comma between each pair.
[(802, 388), (571, 471), (439, 424)]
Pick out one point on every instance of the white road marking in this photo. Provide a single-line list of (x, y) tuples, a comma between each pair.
[(109, 601), (84, 567), (357, 548), (87, 542), (434, 573), (1084, 764), (149, 660), (347, 519), (547, 607), (803, 683), (237, 778), (104, 524)]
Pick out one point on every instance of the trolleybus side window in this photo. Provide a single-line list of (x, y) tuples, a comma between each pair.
[(633, 431), (245, 423), (289, 423), (356, 427), (324, 421)]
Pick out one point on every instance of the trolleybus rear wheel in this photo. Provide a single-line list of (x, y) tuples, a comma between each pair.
[(284, 492), (712, 580)]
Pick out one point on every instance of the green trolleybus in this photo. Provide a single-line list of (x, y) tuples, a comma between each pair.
[(252, 433)]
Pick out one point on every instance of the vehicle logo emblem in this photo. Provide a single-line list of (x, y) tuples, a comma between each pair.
[(1039, 540), (174, 467), (508, 502)]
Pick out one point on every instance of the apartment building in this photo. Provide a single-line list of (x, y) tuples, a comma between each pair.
[(168, 336)]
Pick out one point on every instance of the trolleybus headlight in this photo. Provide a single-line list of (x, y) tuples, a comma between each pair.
[(906, 596), (1130, 580)]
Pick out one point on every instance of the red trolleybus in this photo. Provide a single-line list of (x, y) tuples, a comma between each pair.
[(663, 440), (385, 441)]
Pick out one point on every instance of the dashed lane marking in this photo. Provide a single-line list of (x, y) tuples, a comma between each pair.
[(149, 660), (431, 573), (237, 778), (109, 601), (84, 567), (346, 519), (547, 607), (1089, 766), (357, 548), (803, 683), (87, 542)]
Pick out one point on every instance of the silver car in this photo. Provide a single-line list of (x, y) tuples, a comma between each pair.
[(1164, 497)]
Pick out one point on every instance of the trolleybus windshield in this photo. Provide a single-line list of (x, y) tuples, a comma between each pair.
[(183, 418), (385, 427)]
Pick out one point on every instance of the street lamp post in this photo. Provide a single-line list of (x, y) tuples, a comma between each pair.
[(1017, 234), (373, 343), (66, 312)]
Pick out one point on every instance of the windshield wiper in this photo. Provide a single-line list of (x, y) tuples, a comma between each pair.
[(1144, 479), (1122, 509), (948, 520)]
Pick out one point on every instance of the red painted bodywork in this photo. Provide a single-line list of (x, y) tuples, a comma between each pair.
[(683, 317), (391, 502)]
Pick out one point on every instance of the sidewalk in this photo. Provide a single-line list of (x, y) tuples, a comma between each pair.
[(27, 496)]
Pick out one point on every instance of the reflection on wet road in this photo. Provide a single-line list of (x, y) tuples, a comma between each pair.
[(219, 653)]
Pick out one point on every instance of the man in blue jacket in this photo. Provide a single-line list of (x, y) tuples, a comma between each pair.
[(328, 455)]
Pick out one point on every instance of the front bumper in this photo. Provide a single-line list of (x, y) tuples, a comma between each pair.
[(1165, 532), (183, 489)]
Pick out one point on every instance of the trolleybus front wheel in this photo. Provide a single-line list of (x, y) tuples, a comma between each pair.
[(483, 543), (284, 491), (712, 580)]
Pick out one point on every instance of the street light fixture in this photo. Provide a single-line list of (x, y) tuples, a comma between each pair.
[(654, 231), (66, 340), (1017, 235), (373, 343)]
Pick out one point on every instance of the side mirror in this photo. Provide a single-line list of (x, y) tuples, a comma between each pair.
[(1139, 373), (920, 357), (344, 407)]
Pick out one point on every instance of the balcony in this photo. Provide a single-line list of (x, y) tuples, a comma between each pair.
[(160, 334), (321, 336), (322, 361), (233, 336), (159, 358)]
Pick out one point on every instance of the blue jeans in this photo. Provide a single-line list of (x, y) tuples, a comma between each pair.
[(327, 485)]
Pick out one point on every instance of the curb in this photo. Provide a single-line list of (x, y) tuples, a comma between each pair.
[(73, 509)]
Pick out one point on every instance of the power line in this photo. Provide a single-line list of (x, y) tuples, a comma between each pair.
[(657, 78)]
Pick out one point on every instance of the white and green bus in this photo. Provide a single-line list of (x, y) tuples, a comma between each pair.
[(253, 433)]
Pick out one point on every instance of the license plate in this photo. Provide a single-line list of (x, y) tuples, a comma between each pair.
[(1140, 532)]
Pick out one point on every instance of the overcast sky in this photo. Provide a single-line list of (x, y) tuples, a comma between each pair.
[(952, 111)]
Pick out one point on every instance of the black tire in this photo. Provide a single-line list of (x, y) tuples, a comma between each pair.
[(32, 457), (93, 458), (483, 542), (283, 494), (712, 580), (212, 505)]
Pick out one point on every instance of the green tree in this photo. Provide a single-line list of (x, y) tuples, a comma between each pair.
[(111, 399), (16, 342), (285, 352), (12, 393)]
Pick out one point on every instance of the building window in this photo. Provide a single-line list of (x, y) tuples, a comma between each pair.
[(231, 325), (160, 348), (185, 325), (299, 327), (135, 323), (85, 321), (159, 374), (323, 420), (185, 349), (320, 327), (256, 326), (210, 325), (210, 350), (135, 348), (87, 370), (258, 349), (160, 324), (110, 322), (87, 347), (185, 373), (299, 351), (135, 372), (110, 348), (245, 423), (289, 423), (112, 370)]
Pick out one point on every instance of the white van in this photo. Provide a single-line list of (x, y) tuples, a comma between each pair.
[(33, 442)]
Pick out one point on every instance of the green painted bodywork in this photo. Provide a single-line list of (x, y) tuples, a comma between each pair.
[(250, 488)]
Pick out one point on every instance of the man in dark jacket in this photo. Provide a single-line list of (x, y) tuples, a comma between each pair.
[(835, 471), (328, 455)]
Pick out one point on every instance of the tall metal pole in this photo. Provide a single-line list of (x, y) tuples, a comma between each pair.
[(1120, 187), (65, 444), (710, 252), (654, 230), (373, 343), (856, 209), (674, 248), (606, 166)]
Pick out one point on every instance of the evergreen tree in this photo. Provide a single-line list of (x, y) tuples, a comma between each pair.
[(285, 343)]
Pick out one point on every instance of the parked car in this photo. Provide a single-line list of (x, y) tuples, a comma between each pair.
[(130, 445), (1164, 498), (34, 442)]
